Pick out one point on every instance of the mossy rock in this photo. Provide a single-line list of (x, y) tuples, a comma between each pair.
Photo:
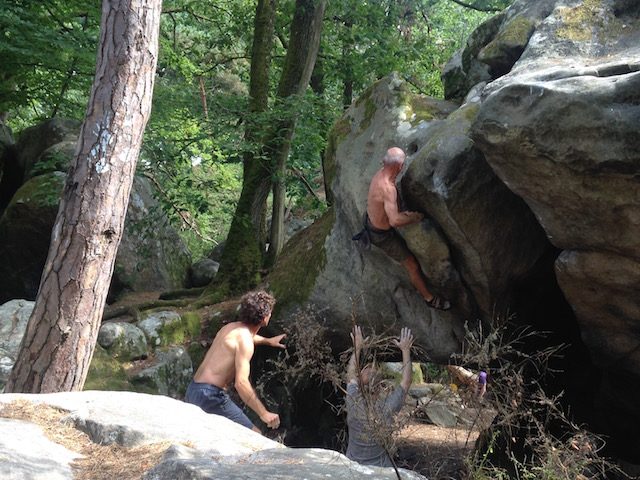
[(294, 276), (589, 21), (43, 191), (106, 373), (507, 46), (392, 371), (166, 327)]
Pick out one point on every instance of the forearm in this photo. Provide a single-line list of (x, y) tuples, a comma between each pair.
[(259, 340), (405, 383), (352, 367), (405, 218), (250, 398)]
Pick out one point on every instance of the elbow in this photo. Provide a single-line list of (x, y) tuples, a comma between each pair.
[(242, 386), (395, 223)]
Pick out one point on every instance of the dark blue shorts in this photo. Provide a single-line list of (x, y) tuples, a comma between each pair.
[(213, 399)]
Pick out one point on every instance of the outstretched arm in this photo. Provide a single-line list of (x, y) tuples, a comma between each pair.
[(397, 218), (352, 368), (244, 352), (270, 341), (404, 343)]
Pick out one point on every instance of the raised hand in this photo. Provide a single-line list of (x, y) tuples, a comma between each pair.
[(356, 338), (405, 341)]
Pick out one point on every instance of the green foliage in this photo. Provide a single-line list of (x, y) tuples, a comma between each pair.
[(47, 54), (195, 140)]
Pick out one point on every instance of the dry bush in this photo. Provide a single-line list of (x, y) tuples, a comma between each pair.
[(531, 437)]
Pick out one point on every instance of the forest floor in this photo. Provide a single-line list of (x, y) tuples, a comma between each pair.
[(438, 453)]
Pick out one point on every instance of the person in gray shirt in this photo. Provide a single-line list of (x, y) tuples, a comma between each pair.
[(371, 408)]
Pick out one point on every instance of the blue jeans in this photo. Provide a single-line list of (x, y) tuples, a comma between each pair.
[(213, 399)]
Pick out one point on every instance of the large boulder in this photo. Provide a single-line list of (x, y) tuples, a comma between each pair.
[(464, 245), (25, 232), (123, 340), (323, 266), (34, 140), (169, 374), (561, 131), (151, 255)]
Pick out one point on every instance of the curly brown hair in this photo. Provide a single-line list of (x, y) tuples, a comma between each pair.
[(255, 306)]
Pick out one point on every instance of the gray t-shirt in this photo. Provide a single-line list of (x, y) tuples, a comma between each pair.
[(363, 445)]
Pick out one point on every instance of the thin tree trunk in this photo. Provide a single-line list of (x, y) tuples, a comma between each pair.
[(60, 338), (299, 62), (243, 254)]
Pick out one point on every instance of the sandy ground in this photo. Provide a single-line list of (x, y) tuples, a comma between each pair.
[(436, 452)]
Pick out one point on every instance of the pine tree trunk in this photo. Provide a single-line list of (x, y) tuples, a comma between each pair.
[(60, 338), (299, 62), (243, 253)]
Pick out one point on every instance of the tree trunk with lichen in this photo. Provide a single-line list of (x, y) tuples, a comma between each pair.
[(296, 73), (60, 338)]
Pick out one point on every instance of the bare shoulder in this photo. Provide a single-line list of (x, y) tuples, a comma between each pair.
[(243, 337)]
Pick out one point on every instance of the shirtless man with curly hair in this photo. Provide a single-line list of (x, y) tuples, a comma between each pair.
[(228, 360)]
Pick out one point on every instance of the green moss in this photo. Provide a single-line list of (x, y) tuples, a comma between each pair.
[(513, 37), (295, 274), (588, 20), (369, 106), (337, 133), (43, 190), (177, 333), (465, 115), (192, 323), (106, 373), (418, 108)]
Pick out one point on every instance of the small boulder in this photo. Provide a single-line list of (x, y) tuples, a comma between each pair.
[(203, 271), (123, 340), (169, 375)]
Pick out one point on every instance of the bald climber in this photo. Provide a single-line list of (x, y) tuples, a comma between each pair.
[(383, 217)]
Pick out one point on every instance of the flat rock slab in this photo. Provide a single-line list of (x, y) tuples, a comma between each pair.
[(26, 453), (129, 419), (203, 446)]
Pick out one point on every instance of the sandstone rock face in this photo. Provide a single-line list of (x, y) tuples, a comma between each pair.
[(464, 245), (330, 271), (561, 131), (203, 271), (170, 373), (34, 140), (19, 441)]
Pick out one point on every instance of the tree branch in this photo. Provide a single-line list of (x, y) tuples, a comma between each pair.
[(479, 9)]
